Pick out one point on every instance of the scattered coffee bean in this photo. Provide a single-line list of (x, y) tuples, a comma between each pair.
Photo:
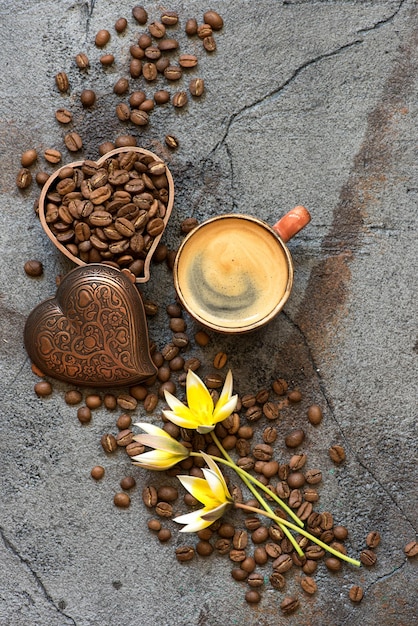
[(315, 414), (84, 415), (73, 142), (411, 549), (102, 38), (169, 18), (289, 604), (122, 500), (28, 158), (140, 14), (252, 596), (61, 81), (197, 87), (373, 539), (164, 535), (184, 553), (356, 593), (337, 454), (214, 20), (23, 178), (179, 99), (109, 443), (82, 61), (157, 29), (33, 268), (308, 585), (107, 59), (43, 389), (120, 25), (295, 438), (97, 472), (128, 482), (93, 401), (121, 86), (63, 116), (209, 44), (368, 558), (87, 98), (73, 397), (191, 27)]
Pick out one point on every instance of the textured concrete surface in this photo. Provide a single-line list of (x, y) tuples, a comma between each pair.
[(307, 102)]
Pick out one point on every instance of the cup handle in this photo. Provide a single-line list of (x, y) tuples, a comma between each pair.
[(292, 223)]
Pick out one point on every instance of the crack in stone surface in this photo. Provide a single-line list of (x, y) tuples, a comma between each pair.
[(380, 23), (11, 548), (277, 91), (328, 402)]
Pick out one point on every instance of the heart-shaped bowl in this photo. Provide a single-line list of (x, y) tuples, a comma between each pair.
[(112, 211)]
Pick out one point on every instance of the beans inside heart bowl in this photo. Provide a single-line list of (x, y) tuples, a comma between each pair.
[(112, 211)]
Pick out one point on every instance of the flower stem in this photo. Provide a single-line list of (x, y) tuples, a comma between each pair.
[(302, 531), (247, 478)]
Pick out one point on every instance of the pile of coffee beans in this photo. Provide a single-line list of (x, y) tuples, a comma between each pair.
[(110, 212)]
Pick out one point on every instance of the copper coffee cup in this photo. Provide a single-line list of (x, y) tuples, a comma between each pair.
[(233, 273)]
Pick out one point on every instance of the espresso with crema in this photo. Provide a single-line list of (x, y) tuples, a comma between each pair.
[(233, 272)]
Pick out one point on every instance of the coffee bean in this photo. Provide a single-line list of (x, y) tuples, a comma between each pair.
[(23, 178), (121, 86), (411, 549), (124, 437), (168, 45), (259, 535), (309, 567), (308, 585), (162, 96), (87, 98), (102, 38), (28, 158), (297, 461), (43, 389), (289, 604), (315, 414), (294, 397), (41, 178), (356, 593), (122, 500), (164, 535), (33, 268), (214, 20), (82, 61), (271, 410), (179, 99), (93, 401), (169, 18), (61, 81), (191, 27), (295, 438), (368, 558), (184, 553), (279, 386), (120, 25), (313, 477), (171, 141), (134, 448), (277, 580), (128, 482), (154, 524), (239, 574), (73, 142), (204, 30), (373, 539), (167, 493), (310, 495), (188, 60), (173, 72), (126, 402), (333, 564), (97, 472), (149, 496), (209, 44), (140, 14), (255, 579), (63, 116), (139, 118), (124, 421), (296, 480), (157, 29), (337, 454), (109, 443), (73, 397), (197, 87), (84, 414), (283, 563)]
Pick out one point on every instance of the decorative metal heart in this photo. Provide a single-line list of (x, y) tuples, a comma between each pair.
[(93, 332)]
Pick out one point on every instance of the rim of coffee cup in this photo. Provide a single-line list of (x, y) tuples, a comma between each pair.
[(254, 325), (46, 188)]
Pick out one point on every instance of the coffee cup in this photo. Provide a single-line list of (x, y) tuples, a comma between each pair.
[(233, 273)]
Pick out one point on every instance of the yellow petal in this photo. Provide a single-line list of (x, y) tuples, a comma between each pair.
[(194, 521), (198, 398), (181, 421), (199, 488), (156, 460), (213, 466), (222, 411)]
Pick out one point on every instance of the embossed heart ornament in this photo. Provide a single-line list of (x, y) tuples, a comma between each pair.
[(93, 332), (114, 210)]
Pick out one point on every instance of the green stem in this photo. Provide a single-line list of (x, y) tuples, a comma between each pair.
[(247, 478), (302, 531), (260, 485)]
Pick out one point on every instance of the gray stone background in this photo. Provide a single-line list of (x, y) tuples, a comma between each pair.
[(310, 103)]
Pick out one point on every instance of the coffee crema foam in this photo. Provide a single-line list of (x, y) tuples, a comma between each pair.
[(232, 272)]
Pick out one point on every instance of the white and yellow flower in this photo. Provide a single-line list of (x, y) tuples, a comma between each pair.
[(211, 491), (167, 450), (201, 414)]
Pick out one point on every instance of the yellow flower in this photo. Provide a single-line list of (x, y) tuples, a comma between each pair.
[(167, 451), (201, 414), (211, 491)]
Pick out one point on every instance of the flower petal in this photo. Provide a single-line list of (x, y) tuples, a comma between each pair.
[(183, 422), (156, 460), (194, 521), (198, 398), (222, 411), (215, 514), (161, 443), (199, 488), (213, 466)]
